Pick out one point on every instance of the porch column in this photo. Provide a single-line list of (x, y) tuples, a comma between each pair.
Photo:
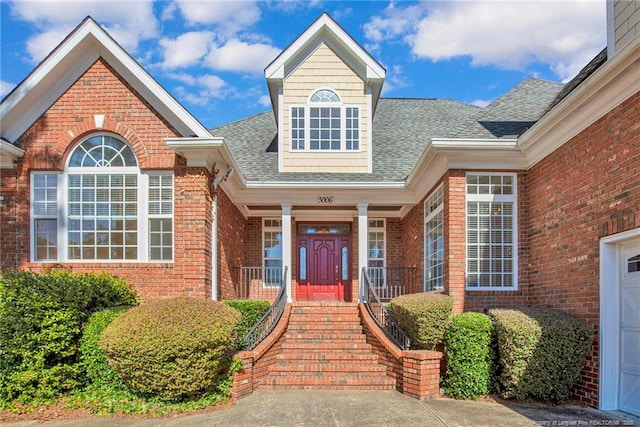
[(362, 246), (286, 246)]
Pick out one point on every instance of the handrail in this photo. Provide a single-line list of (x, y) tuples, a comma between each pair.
[(268, 321), (381, 316)]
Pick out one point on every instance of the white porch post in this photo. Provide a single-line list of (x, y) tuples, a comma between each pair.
[(286, 246), (362, 245)]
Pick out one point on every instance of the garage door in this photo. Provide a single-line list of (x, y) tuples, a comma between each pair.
[(630, 329)]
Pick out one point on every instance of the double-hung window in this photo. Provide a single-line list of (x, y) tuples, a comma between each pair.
[(434, 241), (376, 253), (272, 251), (325, 124), (102, 208), (491, 231)]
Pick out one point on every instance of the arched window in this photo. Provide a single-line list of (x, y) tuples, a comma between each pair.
[(102, 208), (325, 123)]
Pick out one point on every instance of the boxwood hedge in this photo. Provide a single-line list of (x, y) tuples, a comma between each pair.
[(424, 317), (172, 349), (541, 352), (468, 350), (252, 311)]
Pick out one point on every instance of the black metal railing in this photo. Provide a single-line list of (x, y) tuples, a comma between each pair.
[(378, 311), (391, 282), (257, 282), (268, 321)]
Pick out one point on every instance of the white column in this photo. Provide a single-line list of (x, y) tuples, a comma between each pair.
[(286, 246), (362, 245)]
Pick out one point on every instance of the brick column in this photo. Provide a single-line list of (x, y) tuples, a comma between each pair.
[(421, 374)]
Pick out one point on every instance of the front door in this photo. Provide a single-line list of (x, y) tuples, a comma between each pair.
[(323, 267)]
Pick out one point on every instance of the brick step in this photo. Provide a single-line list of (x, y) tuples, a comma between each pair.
[(362, 356), (323, 346), (325, 318), (345, 310), (319, 336), (354, 328), (328, 382), (293, 367)]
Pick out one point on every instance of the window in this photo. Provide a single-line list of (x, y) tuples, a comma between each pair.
[(376, 254), (272, 251), (491, 231), (325, 123), (97, 209), (434, 241)]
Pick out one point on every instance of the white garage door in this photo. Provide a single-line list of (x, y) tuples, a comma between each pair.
[(630, 328)]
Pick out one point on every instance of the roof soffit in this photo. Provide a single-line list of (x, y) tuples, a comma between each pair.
[(66, 63)]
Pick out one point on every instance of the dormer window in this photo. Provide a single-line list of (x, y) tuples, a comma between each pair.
[(325, 124)]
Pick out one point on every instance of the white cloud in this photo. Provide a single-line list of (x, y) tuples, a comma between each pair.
[(239, 56), (513, 35), (265, 101), (506, 34), (481, 102), (396, 79), (128, 22), (5, 88), (185, 50), (205, 88), (230, 16)]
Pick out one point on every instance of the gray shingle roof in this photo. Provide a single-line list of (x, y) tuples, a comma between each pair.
[(402, 128)]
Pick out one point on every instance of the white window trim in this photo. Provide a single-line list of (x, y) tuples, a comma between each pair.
[(63, 236), (307, 122), (494, 198), (266, 228), (428, 217), (382, 229), (171, 216)]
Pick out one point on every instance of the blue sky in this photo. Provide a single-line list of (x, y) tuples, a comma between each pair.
[(210, 55)]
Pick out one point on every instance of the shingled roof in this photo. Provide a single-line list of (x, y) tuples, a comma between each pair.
[(402, 129)]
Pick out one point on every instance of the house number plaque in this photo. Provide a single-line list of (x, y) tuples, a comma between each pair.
[(325, 200)]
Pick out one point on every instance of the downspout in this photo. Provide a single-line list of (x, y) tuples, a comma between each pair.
[(214, 233)]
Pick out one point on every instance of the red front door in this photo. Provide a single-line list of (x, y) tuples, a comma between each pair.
[(323, 267)]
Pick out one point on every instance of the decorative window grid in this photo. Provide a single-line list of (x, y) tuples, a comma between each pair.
[(376, 252), (325, 123), (434, 241), (491, 231), (272, 251), (102, 208)]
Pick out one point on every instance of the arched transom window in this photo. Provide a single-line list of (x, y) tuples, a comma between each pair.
[(102, 208), (325, 123)]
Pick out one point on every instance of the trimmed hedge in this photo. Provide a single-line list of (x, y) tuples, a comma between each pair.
[(98, 371), (467, 345), (252, 311), (172, 349), (541, 352), (41, 320), (424, 317)]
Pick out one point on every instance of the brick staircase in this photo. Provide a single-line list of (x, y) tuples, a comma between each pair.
[(324, 347)]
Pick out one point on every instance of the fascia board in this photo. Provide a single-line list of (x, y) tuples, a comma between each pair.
[(9, 153), (327, 185), (609, 86)]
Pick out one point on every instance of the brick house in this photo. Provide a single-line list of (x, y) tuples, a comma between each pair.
[(534, 199)]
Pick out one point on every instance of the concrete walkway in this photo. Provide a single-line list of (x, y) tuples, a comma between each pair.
[(363, 408)]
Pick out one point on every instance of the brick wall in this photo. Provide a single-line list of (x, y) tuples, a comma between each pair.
[(586, 189), (47, 143), (232, 238), (413, 243)]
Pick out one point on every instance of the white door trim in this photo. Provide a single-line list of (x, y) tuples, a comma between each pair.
[(610, 317)]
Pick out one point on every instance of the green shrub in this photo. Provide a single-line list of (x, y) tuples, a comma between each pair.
[(41, 319), (172, 349), (425, 317), (98, 371), (467, 345), (541, 352), (252, 311)]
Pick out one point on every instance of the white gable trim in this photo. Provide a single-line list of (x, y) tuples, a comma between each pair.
[(56, 73), (9, 153)]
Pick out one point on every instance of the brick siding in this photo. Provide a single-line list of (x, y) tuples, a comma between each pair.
[(585, 190)]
